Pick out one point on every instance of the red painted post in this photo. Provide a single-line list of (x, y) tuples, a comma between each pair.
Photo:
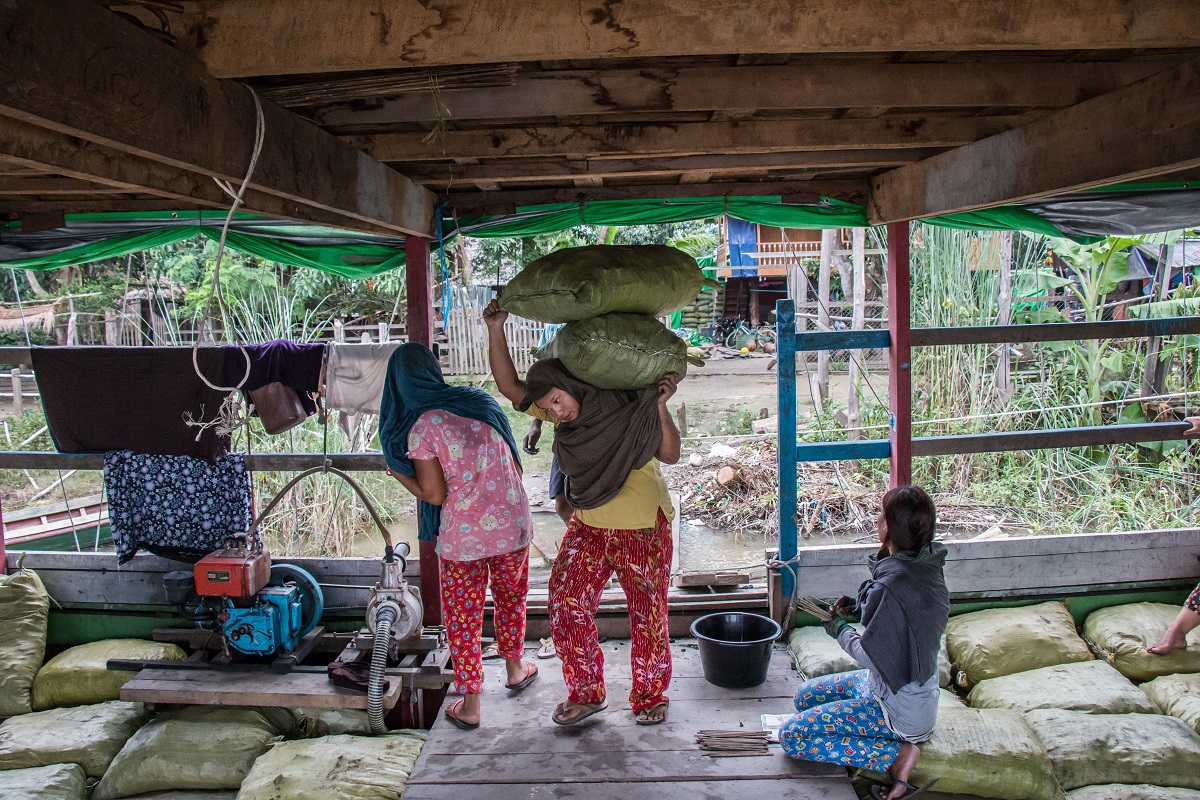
[(418, 326), (899, 354)]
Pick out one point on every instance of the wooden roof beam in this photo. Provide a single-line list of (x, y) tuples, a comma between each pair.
[(505, 170), (802, 86), (75, 68), (290, 37), (1147, 129), (507, 200), (688, 138), (45, 151)]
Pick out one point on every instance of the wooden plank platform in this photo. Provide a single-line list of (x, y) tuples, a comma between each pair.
[(258, 687), (519, 753)]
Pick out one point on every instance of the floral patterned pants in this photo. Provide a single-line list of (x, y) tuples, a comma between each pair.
[(587, 558), (463, 585), (1193, 600), (840, 722)]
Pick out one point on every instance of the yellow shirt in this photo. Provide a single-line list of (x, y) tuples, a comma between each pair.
[(638, 502)]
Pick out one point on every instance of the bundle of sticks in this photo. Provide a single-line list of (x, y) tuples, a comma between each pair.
[(733, 743), (813, 606)]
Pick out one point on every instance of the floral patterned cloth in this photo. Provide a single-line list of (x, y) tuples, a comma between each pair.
[(1193, 600), (486, 512), (588, 556), (840, 722), (176, 506), (463, 587)]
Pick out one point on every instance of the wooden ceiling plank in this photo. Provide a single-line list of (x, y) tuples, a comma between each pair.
[(801, 86), (74, 67), (689, 138), (54, 186), (292, 37), (38, 149), (797, 191), (534, 169), (1147, 129)]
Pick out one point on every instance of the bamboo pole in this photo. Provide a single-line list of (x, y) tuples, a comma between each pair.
[(829, 238), (858, 287), (1004, 377)]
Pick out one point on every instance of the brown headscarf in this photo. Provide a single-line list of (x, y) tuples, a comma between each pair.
[(615, 433)]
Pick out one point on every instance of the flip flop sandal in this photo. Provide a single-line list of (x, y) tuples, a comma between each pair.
[(524, 682), (547, 649), (648, 720), (455, 721), (491, 651), (913, 791), (583, 713)]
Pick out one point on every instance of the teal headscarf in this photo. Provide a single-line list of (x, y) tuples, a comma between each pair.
[(413, 386)]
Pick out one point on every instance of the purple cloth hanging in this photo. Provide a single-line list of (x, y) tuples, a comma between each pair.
[(279, 361)]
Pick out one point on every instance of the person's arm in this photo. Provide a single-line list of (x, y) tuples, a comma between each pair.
[(429, 484), (1195, 429), (503, 368), (531, 438), (668, 448)]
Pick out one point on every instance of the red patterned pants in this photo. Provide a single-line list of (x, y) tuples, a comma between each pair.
[(463, 586), (641, 559)]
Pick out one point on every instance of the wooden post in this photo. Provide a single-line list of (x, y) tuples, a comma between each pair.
[(859, 290), (339, 331), (1153, 377), (419, 325), (785, 351), (383, 333), (899, 373), (18, 400), (1004, 377), (829, 238), (682, 419)]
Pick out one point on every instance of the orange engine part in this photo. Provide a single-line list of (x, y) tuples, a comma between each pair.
[(233, 572)]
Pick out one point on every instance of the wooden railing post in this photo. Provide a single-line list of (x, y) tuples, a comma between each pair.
[(418, 320), (18, 400), (899, 354), (785, 352)]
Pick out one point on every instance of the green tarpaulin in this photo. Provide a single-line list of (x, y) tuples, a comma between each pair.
[(1084, 216)]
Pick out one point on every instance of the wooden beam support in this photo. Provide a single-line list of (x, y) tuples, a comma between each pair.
[(75, 68), (505, 200), (1055, 332), (688, 138), (43, 150), (899, 314), (547, 169), (796, 86), (288, 37), (1145, 129)]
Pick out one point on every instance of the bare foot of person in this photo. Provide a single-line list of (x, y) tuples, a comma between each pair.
[(1169, 643)]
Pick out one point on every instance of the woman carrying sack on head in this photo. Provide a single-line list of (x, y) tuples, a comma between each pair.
[(452, 447), (609, 446), (874, 718)]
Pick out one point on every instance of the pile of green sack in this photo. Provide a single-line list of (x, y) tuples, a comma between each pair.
[(610, 296)]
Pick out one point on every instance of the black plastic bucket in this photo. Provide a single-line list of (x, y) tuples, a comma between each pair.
[(735, 647)]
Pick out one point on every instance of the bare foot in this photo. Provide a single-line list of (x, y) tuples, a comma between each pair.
[(901, 769), (1169, 643)]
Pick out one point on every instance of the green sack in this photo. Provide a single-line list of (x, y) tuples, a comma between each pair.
[(1083, 686), (1088, 749), (314, 722), (816, 653), (79, 676), (1001, 641), (581, 282), (986, 753), (1121, 634), (948, 699), (90, 736), (199, 747), (1141, 791), (619, 351), (1177, 695), (58, 782), (342, 767), (24, 608)]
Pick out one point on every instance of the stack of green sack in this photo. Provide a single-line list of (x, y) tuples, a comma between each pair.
[(1097, 734), (609, 297), (701, 311)]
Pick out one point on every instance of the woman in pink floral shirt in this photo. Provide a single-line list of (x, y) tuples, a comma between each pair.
[(467, 466)]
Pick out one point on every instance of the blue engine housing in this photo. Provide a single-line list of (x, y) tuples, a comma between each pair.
[(272, 625)]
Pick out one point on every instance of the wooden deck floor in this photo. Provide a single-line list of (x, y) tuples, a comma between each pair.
[(519, 753)]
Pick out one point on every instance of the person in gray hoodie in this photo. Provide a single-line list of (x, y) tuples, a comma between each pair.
[(874, 718)]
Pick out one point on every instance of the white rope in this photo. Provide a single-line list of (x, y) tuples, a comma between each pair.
[(214, 292)]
